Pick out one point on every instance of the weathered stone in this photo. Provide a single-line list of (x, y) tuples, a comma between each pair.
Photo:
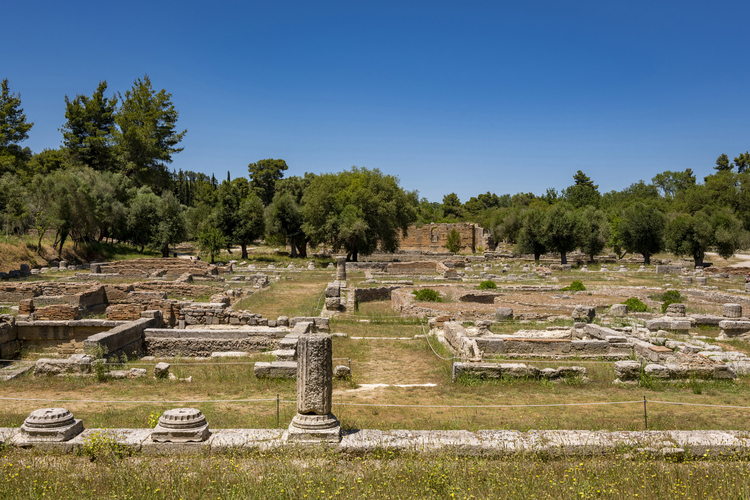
[(181, 425), (333, 303), (733, 328), (503, 313), (687, 280), (701, 281), (341, 268), (584, 313), (732, 310), (333, 291), (282, 321), (342, 372), (161, 370), (618, 310), (50, 425), (275, 369), (627, 370), (314, 420), (676, 310), (656, 371)]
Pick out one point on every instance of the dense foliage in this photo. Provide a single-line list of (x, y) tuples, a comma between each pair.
[(109, 179)]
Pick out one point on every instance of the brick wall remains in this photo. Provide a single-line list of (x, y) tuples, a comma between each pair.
[(433, 237)]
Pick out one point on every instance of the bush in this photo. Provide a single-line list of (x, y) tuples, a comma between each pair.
[(426, 295), (668, 297), (487, 285), (634, 304), (576, 286), (453, 243)]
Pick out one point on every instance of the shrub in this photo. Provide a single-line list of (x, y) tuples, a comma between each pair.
[(426, 295), (453, 243), (634, 304), (576, 286), (668, 297), (487, 285)]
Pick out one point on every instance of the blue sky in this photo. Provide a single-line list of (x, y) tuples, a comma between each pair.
[(463, 97)]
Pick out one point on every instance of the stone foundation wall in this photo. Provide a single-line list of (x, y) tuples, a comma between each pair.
[(433, 237), (123, 339), (9, 344), (166, 267), (371, 294)]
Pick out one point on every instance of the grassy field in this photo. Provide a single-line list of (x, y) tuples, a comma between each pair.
[(100, 473)]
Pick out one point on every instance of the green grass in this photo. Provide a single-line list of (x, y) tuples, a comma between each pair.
[(324, 474)]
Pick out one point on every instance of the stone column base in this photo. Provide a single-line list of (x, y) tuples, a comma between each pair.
[(314, 429)]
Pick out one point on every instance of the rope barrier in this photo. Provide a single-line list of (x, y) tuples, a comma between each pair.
[(126, 401), (427, 338), (491, 406), (699, 404)]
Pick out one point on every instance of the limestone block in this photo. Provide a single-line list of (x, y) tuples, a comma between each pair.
[(314, 374), (333, 303), (50, 425), (733, 328), (732, 310), (656, 371), (275, 369), (724, 372), (687, 280), (342, 372), (618, 310), (282, 321), (181, 425), (676, 310), (584, 313), (701, 281), (341, 268), (333, 291), (627, 370), (503, 313), (161, 370)]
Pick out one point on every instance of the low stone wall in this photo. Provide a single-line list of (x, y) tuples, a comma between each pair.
[(416, 267), (513, 370), (160, 267), (371, 294), (9, 344), (192, 342), (123, 339)]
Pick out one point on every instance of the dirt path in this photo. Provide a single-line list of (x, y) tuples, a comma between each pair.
[(745, 259)]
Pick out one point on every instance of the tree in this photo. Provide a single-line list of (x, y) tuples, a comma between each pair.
[(729, 236), (583, 193), (452, 206), (147, 136), (13, 130), (171, 229), (264, 174), (690, 235), (89, 130), (359, 210), (593, 231), (252, 224), (531, 235), (453, 242), (742, 162), (672, 183), (641, 230), (13, 208), (722, 163), (285, 221), (143, 217), (560, 230), (211, 241)]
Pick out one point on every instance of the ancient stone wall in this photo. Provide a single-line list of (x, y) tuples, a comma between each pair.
[(168, 267), (9, 344), (375, 293), (416, 267), (433, 237)]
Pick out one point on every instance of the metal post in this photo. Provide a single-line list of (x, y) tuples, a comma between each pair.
[(277, 411), (645, 416), (350, 364), (639, 373)]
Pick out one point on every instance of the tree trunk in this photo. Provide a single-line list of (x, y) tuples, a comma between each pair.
[(537, 256), (698, 260), (647, 258), (352, 255), (243, 246), (294, 249), (592, 258), (302, 248), (165, 250), (563, 258)]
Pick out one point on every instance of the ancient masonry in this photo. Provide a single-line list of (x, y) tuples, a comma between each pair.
[(433, 237)]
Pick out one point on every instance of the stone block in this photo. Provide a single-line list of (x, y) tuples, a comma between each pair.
[(503, 313), (161, 370), (50, 425), (732, 310), (627, 370), (342, 372), (584, 313), (275, 369), (333, 291), (181, 425), (733, 328), (676, 310), (656, 370), (618, 310)]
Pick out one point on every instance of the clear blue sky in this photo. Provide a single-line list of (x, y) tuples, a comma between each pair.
[(459, 96)]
